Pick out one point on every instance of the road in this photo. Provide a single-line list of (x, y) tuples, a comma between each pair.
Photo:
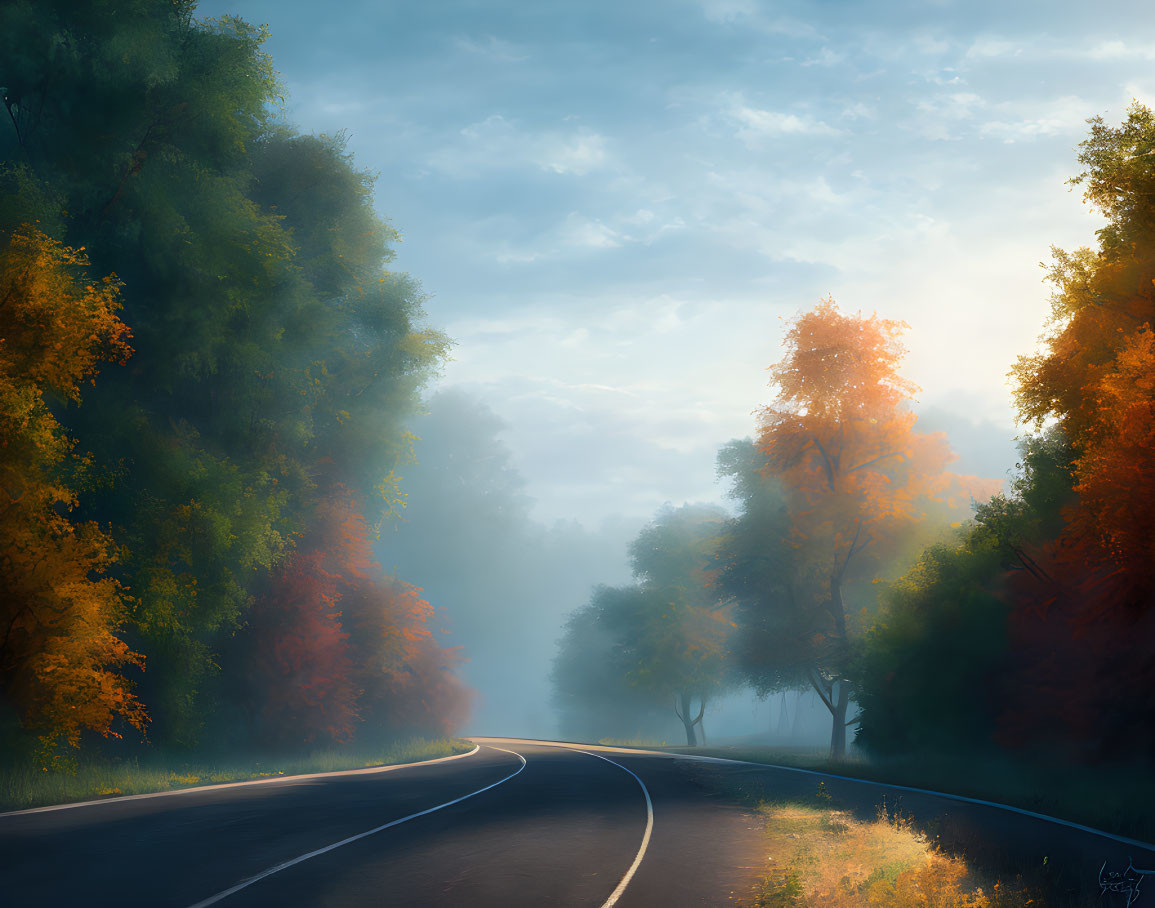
[(514, 823), (564, 829)]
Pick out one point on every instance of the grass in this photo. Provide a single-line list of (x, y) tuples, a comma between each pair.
[(820, 857), (636, 741), (28, 786), (1113, 799)]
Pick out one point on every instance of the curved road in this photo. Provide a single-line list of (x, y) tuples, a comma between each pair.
[(514, 823), (565, 828)]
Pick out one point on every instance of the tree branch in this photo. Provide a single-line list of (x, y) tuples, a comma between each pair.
[(863, 466), (821, 692), (15, 125), (825, 461)]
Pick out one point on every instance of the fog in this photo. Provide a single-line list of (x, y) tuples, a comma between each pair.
[(505, 583)]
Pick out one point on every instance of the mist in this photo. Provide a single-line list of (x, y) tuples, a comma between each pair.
[(503, 581)]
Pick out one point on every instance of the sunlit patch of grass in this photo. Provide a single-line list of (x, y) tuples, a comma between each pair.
[(28, 785), (819, 857)]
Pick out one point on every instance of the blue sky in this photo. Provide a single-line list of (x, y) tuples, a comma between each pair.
[(615, 205)]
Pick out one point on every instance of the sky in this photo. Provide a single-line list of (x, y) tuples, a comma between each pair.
[(615, 206)]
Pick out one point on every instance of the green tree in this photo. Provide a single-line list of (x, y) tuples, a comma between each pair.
[(667, 636), (276, 356), (938, 668)]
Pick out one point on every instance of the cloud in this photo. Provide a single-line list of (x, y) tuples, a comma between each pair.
[(988, 47), (1062, 116), (577, 153), (754, 125), (728, 10), (825, 57), (1120, 50), (579, 234), (589, 233), (492, 48), (497, 143)]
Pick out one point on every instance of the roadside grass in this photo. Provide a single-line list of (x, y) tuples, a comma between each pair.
[(820, 857), (1114, 799), (637, 741), (27, 785)]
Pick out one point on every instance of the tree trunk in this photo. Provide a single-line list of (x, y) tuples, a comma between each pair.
[(838, 720), (838, 700), (684, 714)]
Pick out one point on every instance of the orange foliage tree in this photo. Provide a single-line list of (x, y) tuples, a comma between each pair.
[(301, 667), (856, 476), (339, 650), (59, 617), (407, 677), (1095, 376)]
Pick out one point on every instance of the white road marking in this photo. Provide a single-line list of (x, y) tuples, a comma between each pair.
[(625, 881), (368, 770), (212, 900)]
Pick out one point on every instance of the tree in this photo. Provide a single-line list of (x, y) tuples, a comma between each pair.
[(666, 637), (276, 356), (683, 630), (336, 650), (1093, 376), (856, 477), (757, 572), (60, 614)]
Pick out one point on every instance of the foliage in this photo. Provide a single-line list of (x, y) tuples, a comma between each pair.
[(664, 639), (276, 358), (932, 674), (59, 614), (336, 650), (1085, 624), (855, 481)]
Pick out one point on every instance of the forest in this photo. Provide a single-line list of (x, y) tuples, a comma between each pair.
[(206, 370), (209, 381)]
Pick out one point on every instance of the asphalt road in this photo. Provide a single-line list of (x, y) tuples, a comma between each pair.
[(564, 827)]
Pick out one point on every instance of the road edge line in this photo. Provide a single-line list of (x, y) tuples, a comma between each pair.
[(962, 798), (625, 880), (285, 865), (1071, 824), (364, 770)]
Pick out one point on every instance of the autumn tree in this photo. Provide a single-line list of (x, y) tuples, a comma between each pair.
[(856, 478), (335, 650), (60, 613), (1093, 376)]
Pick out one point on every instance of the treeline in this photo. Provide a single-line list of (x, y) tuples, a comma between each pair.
[(205, 368), (922, 608)]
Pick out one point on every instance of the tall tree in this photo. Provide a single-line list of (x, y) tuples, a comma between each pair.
[(856, 477), (276, 357), (1093, 375)]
